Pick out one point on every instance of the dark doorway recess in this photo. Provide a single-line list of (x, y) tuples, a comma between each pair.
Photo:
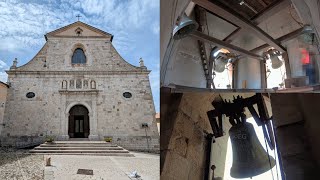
[(78, 122)]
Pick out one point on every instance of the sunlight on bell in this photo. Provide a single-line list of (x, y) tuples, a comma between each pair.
[(268, 175)]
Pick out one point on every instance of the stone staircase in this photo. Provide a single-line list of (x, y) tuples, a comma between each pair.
[(94, 148)]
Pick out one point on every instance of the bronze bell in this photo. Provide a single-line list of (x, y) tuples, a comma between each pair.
[(184, 27), (249, 157)]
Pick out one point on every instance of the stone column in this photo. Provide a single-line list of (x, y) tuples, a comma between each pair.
[(93, 120), (63, 120)]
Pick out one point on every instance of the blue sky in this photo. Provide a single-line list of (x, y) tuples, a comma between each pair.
[(134, 24)]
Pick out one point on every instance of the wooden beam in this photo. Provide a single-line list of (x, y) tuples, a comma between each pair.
[(184, 89), (229, 38), (232, 16), (287, 65), (211, 40), (281, 39), (274, 8), (262, 3)]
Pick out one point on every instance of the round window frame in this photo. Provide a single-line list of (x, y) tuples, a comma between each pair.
[(30, 95), (127, 98)]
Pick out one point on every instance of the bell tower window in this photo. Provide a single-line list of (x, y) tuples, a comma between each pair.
[(78, 57)]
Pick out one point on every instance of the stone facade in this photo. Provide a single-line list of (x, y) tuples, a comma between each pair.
[(99, 85), (3, 97)]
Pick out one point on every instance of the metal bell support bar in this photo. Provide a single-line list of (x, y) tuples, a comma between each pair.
[(235, 109), (249, 157)]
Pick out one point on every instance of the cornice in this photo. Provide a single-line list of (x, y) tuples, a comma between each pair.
[(14, 72), (71, 92)]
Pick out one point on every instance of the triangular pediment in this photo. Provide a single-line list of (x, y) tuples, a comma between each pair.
[(79, 29)]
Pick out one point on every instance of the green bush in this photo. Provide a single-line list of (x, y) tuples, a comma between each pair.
[(108, 139), (49, 139)]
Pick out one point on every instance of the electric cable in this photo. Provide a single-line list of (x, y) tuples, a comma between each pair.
[(300, 23)]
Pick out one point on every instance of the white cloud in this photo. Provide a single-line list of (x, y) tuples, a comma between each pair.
[(26, 23), (3, 77), (23, 24), (3, 65), (155, 28)]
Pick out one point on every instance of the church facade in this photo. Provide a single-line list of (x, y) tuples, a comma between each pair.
[(79, 87)]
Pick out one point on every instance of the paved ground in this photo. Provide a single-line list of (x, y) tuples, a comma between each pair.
[(18, 164), (106, 167)]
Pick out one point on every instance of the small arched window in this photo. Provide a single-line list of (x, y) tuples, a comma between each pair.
[(93, 84), (64, 84), (78, 57)]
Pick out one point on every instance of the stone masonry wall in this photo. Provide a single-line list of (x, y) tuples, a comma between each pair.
[(295, 116), (28, 120), (3, 96), (185, 155)]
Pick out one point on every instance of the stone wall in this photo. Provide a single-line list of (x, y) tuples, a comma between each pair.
[(3, 97), (183, 141), (295, 118), (98, 85)]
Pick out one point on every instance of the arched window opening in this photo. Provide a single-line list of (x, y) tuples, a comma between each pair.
[(93, 84), (78, 57)]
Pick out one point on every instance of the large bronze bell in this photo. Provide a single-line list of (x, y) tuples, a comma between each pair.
[(249, 157), (184, 27)]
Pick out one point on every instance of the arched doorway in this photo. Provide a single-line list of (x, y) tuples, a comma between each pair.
[(79, 122)]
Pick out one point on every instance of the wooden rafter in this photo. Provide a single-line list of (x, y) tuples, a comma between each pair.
[(281, 39), (230, 15), (277, 6), (211, 40)]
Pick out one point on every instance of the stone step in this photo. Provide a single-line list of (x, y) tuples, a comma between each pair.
[(88, 154), (81, 142), (78, 145), (99, 148), (78, 151), (76, 148)]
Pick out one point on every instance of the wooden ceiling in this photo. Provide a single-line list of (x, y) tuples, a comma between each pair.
[(247, 8)]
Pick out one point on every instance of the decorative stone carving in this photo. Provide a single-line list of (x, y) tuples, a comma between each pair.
[(14, 64), (93, 84), (78, 84), (78, 31), (72, 84), (64, 84), (85, 84)]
